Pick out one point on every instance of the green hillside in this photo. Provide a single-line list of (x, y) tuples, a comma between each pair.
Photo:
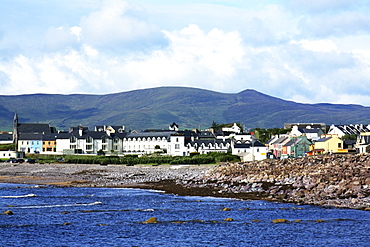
[(159, 107)]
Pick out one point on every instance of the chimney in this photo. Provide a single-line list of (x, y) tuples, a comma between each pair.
[(80, 130)]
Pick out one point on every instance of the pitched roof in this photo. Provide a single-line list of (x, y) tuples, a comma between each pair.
[(35, 128), (290, 143), (30, 137), (85, 134), (280, 140), (323, 139), (206, 134), (49, 137), (257, 143), (166, 134), (199, 142), (6, 137), (312, 131)]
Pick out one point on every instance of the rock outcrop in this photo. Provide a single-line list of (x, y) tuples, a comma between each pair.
[(327, 180), (151, 220), (8, 212)]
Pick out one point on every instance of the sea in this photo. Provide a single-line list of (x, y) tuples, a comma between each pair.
[(69, 216)]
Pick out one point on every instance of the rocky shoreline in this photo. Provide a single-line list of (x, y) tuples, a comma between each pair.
[(329, 180)]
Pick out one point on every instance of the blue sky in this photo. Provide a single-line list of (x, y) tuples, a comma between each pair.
[(307, 51)]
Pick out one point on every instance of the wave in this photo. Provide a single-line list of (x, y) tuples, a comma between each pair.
[(21, 196), (62, 205)]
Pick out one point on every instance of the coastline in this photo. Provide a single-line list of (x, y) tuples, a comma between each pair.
[(298, 181), (88, 175), (167, 178)]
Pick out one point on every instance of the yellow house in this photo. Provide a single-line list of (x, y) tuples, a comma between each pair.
[(49, 146), (329, 144)]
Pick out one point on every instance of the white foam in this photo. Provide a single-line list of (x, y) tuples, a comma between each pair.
[(21, 196), (63, 205)]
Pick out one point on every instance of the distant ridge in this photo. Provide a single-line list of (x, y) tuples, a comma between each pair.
[(159, 107)]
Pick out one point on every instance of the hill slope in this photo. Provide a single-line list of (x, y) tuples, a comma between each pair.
[(158, 107)]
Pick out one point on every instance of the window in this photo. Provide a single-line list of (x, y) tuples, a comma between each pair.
[(339, 145), (88, 147), (177, 146), (104, 140), (89, 139), (177, 139), (72, 139)]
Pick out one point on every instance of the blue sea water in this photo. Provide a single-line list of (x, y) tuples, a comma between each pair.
[(55, 216)]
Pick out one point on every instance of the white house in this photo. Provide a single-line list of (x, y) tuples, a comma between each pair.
[(11, 154), (352, 129), (83, 141), (235, 129), (205, 146), (249, 150), (169, 142), (6, 138), (309, 132)]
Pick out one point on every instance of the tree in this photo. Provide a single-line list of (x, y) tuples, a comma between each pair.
[(263, 135), (215, 125), (349, 137)]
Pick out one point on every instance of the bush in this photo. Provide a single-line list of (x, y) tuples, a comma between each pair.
[(7, 147), (152, 159)]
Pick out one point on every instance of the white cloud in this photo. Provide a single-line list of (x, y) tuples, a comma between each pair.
[(318, 45), (117, 23), (59, 38), (193, 57)]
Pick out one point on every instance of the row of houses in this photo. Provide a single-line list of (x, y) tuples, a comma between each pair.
[(311, 139), (114, 140), (301, 140)]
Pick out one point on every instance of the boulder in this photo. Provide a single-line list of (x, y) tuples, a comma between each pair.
[(151, 220), (280, 221)]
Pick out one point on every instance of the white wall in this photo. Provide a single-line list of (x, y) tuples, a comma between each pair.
[(62, 144), (177, 146), (8, 154)]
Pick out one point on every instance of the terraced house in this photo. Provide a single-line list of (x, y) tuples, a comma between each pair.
[(34, 137), (81, 140)]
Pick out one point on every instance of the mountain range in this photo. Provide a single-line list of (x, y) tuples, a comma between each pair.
[(158, 107)]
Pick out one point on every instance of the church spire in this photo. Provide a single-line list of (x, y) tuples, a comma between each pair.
[(15, 132)]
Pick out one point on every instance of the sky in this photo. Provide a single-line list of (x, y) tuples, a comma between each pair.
[(315, 51)]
